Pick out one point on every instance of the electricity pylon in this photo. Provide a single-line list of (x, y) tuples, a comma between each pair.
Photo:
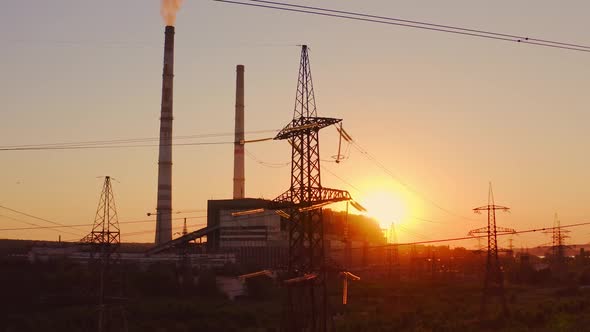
[(494, 279), (558, 246), (105, 232), (104, 240), (511, 246), (306, 304)]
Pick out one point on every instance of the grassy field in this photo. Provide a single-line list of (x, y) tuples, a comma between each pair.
[(454, 307)]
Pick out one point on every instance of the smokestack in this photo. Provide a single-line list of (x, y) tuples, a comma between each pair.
[(239, 179), (164, 207)]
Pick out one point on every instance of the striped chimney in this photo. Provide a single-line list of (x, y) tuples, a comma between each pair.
[(164, 207), (239, 178)]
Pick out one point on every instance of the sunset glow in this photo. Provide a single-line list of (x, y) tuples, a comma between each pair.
[(387, 206), (247, 165)]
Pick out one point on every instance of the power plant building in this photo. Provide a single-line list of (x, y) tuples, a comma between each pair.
[(247, 229), (244, 223)]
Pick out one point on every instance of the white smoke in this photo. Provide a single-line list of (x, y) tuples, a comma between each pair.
[(168, 10)]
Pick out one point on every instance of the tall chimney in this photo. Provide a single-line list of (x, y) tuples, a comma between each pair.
[(239, 179), (164, 207)]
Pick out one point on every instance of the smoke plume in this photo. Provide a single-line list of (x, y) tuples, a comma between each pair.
[(169, 9)]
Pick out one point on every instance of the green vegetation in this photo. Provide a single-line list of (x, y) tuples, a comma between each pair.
[(455, 306)]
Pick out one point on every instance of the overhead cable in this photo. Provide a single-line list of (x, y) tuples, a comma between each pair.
[(408, 23), (461, 238)]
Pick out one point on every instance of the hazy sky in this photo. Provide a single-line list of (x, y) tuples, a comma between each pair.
[(445, 113)]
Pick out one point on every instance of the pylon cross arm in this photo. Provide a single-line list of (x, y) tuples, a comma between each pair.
[(484, 230), (325, 196), (304, 125), (490, 207), (474, 232), (500, 229)]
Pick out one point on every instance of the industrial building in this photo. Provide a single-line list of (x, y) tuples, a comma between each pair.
[(246, 228), (258, 227), (82, 255)]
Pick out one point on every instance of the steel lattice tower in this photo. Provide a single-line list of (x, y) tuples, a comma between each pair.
[(494, 279), (558, 246), (306, 304), (105, 231), (558, 238), (104, 240)]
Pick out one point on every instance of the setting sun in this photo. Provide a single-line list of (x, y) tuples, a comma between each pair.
[(386, 206)]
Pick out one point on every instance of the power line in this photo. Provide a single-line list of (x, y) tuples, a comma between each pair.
[(146, 231), (112, 146), (137, 140), (520, 37), (115, 143), (35, 226), (82, 147), (411, 232), (429, 220), (267, 164), (39, 218), (153, 230), (19, 220), (410, 24), (139, 44), (343, 180), (397, 178), (361, 192), (534, 230), (238, 220)]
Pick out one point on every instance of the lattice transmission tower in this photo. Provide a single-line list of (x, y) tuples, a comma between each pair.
[(105, 235), (306, 303), (494, 278), (558, 247), (104, 240)]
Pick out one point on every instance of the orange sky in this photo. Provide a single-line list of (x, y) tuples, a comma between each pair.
[(444, 114)]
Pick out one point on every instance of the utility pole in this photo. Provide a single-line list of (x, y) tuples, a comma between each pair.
[(104, 240), (413, 267), (433, 266), (306, 306), (347, 244), (393, 254), (494, 279), (184, 265)]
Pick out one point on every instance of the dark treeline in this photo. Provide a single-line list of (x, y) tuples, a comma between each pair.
[(431, 288)]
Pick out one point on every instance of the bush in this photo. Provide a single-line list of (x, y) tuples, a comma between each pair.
[(206, 284)]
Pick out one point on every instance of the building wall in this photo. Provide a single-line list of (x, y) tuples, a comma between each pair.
[(256, 230), (261, 229), (81, 255)]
